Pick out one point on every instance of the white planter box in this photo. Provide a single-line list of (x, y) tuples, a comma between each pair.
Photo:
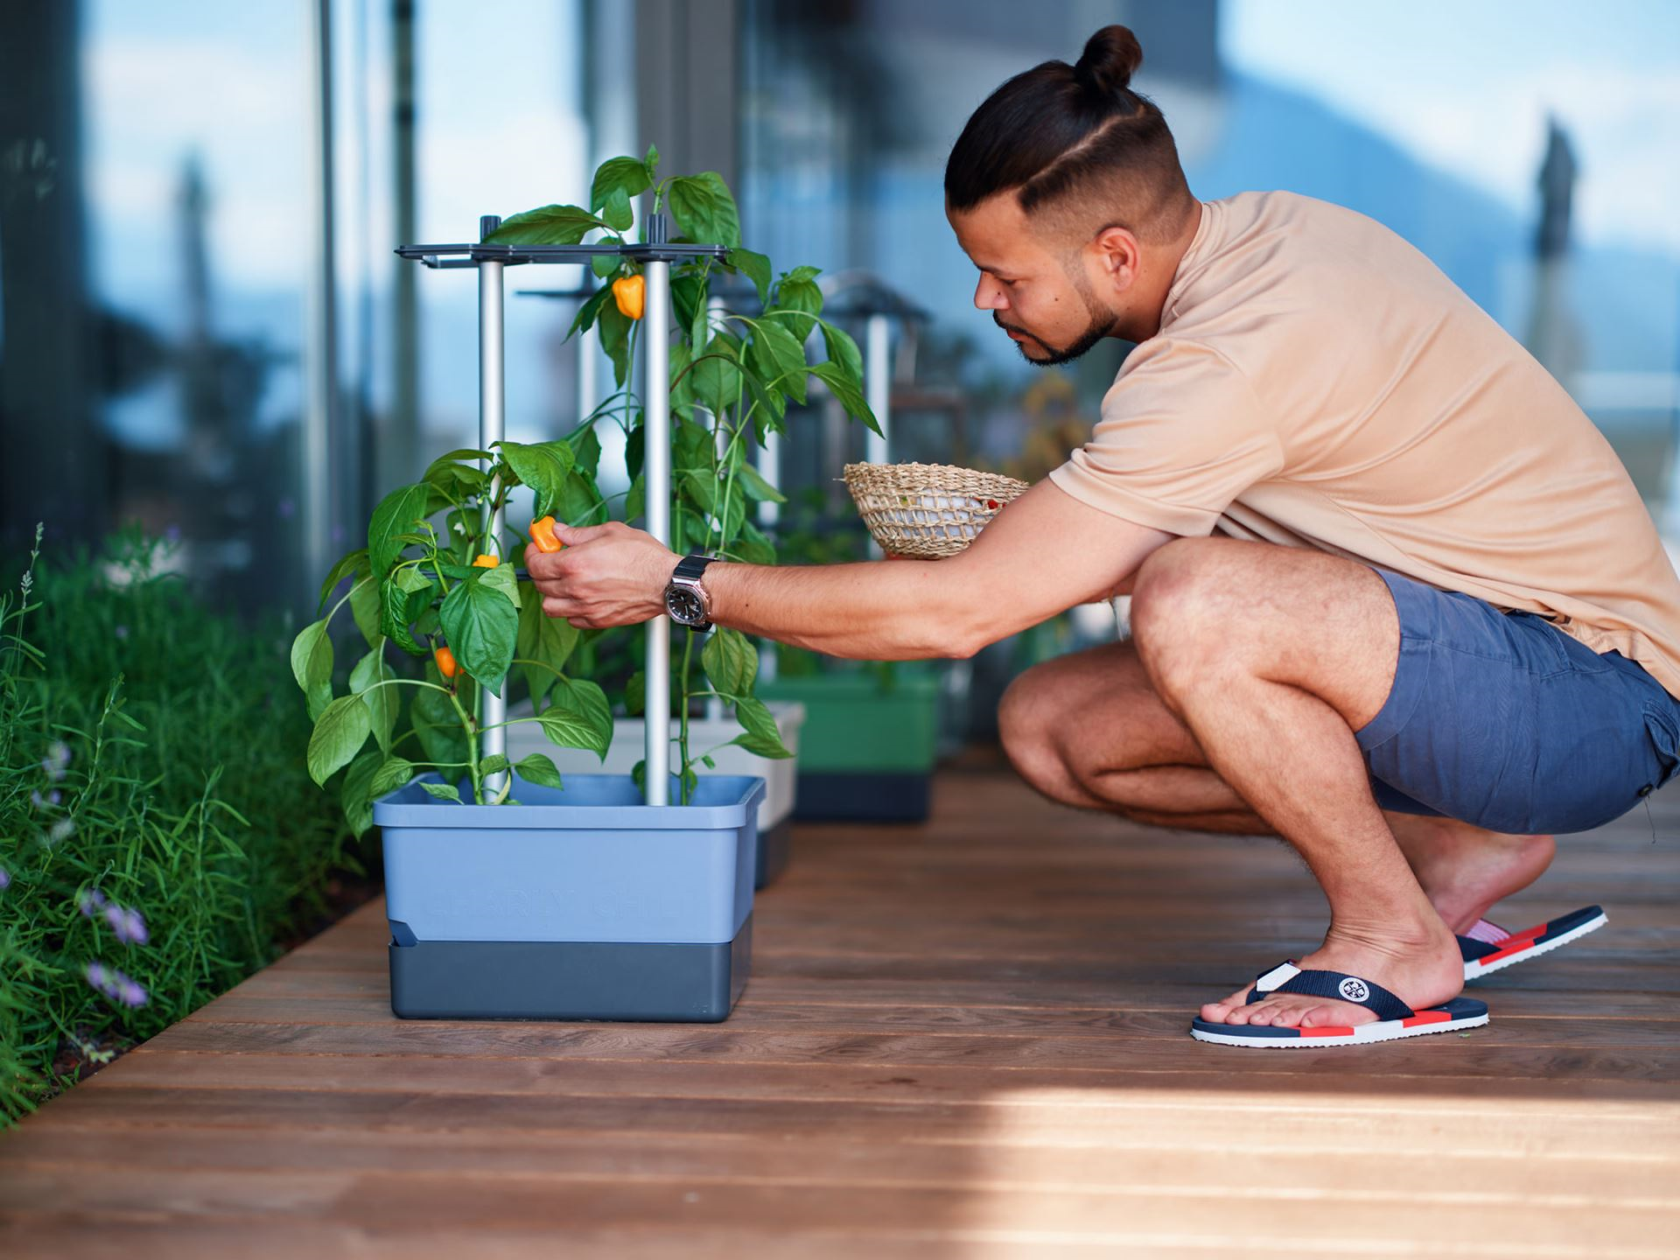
[(629, 745)]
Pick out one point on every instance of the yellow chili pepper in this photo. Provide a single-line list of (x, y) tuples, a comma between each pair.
[(630, 292), (486, 562), (445, 662), (542, 533)]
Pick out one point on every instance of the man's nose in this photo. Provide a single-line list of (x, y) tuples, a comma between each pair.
[(989, 295)]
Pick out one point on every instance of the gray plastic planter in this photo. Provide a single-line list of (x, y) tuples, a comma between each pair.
[(578, 903)]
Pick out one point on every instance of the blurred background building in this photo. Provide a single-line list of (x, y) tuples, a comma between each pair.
[(203, 328)]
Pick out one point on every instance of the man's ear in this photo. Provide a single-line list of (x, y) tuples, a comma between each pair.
[(1118, 255)]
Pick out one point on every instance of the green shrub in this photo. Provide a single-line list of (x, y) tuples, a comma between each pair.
[(158, 830)]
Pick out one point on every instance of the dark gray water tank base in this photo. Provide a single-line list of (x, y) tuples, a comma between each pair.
[(570, 980), (772, 857), (863, 796)]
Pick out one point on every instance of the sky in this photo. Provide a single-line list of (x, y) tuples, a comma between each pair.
[(1467, 85)]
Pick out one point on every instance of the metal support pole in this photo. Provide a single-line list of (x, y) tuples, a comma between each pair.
[(656, 463), (492, 420), (877, 370)]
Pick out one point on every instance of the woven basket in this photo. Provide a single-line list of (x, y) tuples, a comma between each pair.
[(927, 511)]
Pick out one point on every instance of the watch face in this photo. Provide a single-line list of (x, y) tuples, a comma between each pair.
[(685, 605)]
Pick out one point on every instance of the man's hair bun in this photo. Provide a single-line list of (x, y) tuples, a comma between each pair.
[(1110, 59)]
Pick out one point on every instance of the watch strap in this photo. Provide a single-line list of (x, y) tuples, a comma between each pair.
[(692, 566)]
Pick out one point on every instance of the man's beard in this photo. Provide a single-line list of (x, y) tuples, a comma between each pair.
[(1101, 325)]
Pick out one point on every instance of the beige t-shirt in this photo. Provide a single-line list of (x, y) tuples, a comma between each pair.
[(1318, 382)]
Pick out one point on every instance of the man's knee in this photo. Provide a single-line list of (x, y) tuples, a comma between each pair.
[(1187, 608), (1027, 720)]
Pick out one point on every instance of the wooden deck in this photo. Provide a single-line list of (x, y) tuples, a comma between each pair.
[(960, 1040)]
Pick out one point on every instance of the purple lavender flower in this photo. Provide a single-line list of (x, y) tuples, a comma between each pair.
[(114, 985), (89, 901), (5, 878), (120, 631), (60, 830), (99, 976), (57, 758), (126, 922), (129, 992)]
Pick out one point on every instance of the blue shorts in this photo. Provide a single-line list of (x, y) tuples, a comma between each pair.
[(1502, 720)]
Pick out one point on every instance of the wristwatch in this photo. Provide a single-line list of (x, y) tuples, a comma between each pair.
[(685, 599)]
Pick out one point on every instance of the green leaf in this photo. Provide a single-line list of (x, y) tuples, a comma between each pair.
[(843, 350), (760, 735), (688, 299), (801, 296), (402, 600), (708, 763), (801, 274), (846, 390), (756, 267), (580, 501), (779, 358), (757, 488), (638, 775), (397, 513), (382, 702), (606, 266), (458, 471), (584, 320), (634, 445), (627, 176), (694, 205), (586, 450), (481, 624), (365, 606), (501, 579), (652, 160), (615, 339), (344, 568), (546, 225), (538, 769), (730, 662), (339, 734), (393, 773), (585, 697), (755, 546), (493, 764), (571, 729), (635, 694), (771, 406), (542, 638), (355, 795), (542, 466), (312, 666), (617, 212), (442, 791), (717, 374), (635, 499)]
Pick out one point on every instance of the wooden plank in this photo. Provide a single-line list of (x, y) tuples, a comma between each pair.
[(1637, 1142)]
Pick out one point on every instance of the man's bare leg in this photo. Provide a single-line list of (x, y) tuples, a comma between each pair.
[(1270, 658), (1088, 730)]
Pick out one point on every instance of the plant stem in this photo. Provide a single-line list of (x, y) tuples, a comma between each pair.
[(470, 725)]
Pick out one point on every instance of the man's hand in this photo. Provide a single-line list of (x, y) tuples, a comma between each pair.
[(608, 575)]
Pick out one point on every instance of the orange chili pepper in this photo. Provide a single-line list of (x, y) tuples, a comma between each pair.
[(446, 662), (630, 292), (542, 533), (486, 562)]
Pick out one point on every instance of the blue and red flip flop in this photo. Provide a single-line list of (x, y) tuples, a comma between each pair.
[(1487, 947), (1394, 1018)]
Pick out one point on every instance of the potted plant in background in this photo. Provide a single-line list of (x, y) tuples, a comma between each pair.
[(513, 892)]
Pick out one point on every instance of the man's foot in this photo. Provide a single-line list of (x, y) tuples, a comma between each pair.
[(1465, 869), (1421, 967)]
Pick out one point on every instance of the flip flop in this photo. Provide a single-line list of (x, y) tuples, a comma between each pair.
[(1394, 1018), (1487, 947)]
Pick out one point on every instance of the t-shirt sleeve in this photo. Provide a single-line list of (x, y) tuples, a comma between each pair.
[(1181, 435)]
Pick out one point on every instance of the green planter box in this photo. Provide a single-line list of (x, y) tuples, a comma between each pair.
[(867, 750)]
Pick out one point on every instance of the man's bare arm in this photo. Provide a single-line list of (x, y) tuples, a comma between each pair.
[(1045, 553)]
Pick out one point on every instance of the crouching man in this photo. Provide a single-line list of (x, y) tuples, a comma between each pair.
[(1395, 599)]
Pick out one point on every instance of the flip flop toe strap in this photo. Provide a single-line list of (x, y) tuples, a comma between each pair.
[(1334, 985)]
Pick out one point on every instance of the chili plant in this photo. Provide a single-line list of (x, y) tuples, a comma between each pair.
[(416, 586)]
